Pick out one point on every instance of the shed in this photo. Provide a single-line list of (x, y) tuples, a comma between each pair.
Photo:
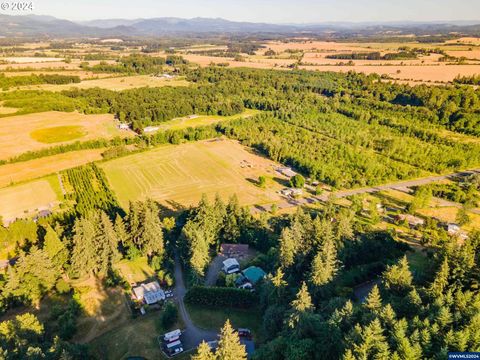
[(234, 250), (254, 274), (149, 293)]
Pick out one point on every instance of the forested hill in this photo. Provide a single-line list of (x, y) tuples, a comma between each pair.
[(347, 130)]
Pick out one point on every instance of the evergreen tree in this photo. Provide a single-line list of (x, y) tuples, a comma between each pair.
[(325, 264), (440, 282), (288, 247), (55, 249), (373, 302), (301, 305), (203, 352), (398, 277), (229, 347)]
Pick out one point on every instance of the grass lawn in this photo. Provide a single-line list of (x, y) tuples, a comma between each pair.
[(214, 318), (58, 134), (137, 337), (136, 270), (420, 264)]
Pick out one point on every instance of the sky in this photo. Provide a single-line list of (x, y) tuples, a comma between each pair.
[(270, 11)]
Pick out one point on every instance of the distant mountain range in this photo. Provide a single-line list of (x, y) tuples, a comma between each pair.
[(48, 26)]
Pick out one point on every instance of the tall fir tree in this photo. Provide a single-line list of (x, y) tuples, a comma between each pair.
[(229, 346)]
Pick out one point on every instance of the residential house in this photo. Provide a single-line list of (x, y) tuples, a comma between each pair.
[(149, 293)]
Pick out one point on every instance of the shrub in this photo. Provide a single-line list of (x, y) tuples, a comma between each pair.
[(169, 315)]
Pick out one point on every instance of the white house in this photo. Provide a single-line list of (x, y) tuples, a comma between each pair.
[(150, 129), (150, 293), (453, 229), (123, 126), (231, 266)]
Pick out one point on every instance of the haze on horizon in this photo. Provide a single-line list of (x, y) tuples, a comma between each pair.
[(270, 11)]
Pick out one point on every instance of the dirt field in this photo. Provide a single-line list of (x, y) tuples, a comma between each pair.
[(27, 199), (33, 169), (16, 131), (313, 55), (178, 175), (115, 83)]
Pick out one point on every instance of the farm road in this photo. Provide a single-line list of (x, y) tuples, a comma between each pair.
[(193, 335), (401, 185)]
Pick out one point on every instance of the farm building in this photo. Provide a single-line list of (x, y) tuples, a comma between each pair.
[(231, 266), (123, 126), (291, 192), (149, 293), (234, 250)]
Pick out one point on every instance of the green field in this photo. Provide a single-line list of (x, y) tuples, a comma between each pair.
[(58, 134), (214, 318), (136, 270), (203, 120), (178, 175)]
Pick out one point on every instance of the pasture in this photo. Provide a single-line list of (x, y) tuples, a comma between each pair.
[(22, 133), (177, 176), (25, 200), (202, 120), (37, 168), (113, 83)]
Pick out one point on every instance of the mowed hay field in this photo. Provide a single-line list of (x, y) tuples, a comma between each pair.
[(113, 83), (178, 175), (33, 169), (25, 200), (22, 133)]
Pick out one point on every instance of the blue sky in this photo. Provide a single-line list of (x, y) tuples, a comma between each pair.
[(273, 11)]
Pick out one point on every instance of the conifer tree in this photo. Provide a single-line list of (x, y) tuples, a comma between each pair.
[(301, 305), (204, 352), (373, 302), (55, 248), (440, 282), (229, 346), (325, 264), (398, 277)]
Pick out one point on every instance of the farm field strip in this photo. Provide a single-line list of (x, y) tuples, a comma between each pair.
[(16, 131), (22, 200), (33, 169)]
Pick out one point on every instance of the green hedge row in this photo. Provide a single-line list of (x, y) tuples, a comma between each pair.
[(221, 296)]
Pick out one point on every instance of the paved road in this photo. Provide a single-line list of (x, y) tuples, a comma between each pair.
[(400, 185), (214, 270), (193, 335)]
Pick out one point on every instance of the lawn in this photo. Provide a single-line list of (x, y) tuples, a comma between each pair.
[(136, 337), (203, 120), (27, 199), (177, 175), (214, 318), (136, 270), (58, 134)]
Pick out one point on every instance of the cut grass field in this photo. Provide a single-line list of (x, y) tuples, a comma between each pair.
[(114, 83), (33, 169), (178, 175), (16, 131), (58, 134), (214, 318), (25, 200), (203, 120), (135, 271)]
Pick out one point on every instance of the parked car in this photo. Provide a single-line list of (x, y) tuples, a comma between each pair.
[(173, 348), (244, 333)]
